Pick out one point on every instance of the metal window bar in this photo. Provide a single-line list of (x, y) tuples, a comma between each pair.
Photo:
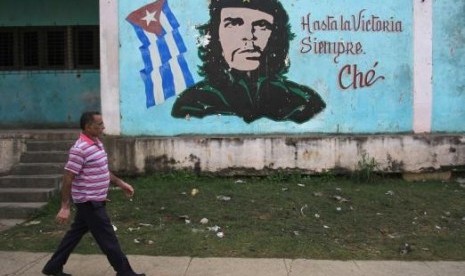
[(56, 48), (30, 49), (7, 44), (49, 48), (86, 45)]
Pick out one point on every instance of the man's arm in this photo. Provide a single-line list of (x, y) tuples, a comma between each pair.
[(64, 213), (127, 189)]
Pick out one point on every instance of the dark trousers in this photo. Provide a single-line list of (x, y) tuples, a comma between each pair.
[(90, 216)]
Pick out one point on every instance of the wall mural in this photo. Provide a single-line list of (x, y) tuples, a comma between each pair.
[(266, 66), (244, 63), (244, 66)]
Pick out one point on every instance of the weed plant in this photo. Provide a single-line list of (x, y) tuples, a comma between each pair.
[(367, 169)]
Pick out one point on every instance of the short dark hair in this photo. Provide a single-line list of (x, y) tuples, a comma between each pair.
[(274, 60), (87, 118)]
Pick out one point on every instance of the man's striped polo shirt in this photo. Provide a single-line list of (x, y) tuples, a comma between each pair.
[(89, 163)]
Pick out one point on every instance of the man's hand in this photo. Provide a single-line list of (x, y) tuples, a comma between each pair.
[(127, 189), (63, 215)]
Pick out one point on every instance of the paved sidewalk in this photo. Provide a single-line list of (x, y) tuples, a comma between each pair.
[(27, 263)]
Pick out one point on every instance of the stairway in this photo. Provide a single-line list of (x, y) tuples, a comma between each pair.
[(36, 178)]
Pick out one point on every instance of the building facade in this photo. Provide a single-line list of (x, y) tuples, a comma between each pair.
[(248, 85)]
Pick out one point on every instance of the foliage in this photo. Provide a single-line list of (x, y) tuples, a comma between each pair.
[(367, 169)]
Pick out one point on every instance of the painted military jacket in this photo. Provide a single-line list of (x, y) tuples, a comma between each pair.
[(275, 98)]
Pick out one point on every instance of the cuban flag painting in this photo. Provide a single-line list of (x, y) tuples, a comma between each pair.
[(165, 73)]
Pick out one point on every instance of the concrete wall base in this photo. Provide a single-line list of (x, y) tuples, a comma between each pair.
[(419, 177), (251, 155)]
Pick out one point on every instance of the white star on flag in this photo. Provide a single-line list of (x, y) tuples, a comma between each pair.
[(149, 17)]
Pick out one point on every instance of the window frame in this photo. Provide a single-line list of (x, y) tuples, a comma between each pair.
[(14, 50), (69, 47), (95, 47)]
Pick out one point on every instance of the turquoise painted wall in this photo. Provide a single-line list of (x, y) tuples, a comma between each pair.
[(449, 66), (47, 99), (384, 105), (42, 99), (49, 12)]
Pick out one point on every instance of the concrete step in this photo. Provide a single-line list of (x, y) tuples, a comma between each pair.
[(37, 168), (49, 145), (41, 134), (19, 210), (44, 157), (26, 194), (31, 181), (6, 224), (37, 176)]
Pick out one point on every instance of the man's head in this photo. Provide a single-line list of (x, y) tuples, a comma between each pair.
[(92, 124), (246, 36)]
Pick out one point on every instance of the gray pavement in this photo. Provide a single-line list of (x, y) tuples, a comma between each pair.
[(27, 263)]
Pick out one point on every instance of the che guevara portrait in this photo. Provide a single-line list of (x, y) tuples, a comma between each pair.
[(244, 66)]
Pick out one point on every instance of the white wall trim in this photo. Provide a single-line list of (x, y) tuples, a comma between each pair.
[(109, 66), (423, 66)]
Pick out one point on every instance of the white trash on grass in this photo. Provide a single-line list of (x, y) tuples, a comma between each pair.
[(390, 192), (33, 222), (215, 228), (223, 198), (133, 229)]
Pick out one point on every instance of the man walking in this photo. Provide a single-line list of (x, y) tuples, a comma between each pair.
[(85, 183)]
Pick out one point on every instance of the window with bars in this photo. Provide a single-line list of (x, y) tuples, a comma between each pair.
[(7, 46), (49, 48)]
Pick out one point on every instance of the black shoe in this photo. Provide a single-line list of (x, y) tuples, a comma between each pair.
[(132, 273), (59, 273)]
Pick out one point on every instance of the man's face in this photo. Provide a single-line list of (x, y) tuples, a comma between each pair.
[(95, 129), (243, 35)]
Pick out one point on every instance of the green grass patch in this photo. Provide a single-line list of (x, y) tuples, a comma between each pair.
[(274, 217)]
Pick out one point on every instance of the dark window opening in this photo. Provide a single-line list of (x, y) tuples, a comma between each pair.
[(86, 47), (49, 48), (56, 48), (6, 49), (30, 49)]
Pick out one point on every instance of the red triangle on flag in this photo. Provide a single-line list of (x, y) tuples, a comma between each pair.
[(148, 17)]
